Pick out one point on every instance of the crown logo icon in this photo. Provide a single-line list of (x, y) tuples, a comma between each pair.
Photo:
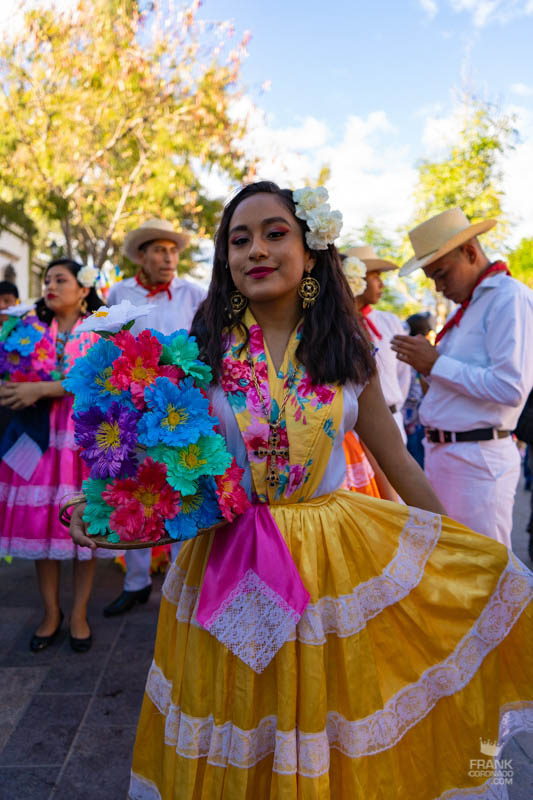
[(489, 748)]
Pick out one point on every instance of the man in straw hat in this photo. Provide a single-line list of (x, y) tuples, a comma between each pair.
[(155, 246), (381, 326), (479, 373)]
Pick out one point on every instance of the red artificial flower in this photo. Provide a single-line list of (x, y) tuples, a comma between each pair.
[(142, 504), (138, 366), (19, 376), (232, 499)]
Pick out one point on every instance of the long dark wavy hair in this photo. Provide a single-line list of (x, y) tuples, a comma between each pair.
[(332, 348), (93, 300)]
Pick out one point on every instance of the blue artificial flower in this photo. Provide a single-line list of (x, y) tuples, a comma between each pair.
[(23, 339), (199, 510), (88, 379), (178, 415)]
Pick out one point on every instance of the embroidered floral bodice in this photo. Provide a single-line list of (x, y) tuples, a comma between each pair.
[(71, 345), (313, 425)]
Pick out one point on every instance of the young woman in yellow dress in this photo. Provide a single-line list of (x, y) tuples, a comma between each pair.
[(336, 646)]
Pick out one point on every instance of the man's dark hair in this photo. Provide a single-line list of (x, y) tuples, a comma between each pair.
[(332, 347), (6, 287)]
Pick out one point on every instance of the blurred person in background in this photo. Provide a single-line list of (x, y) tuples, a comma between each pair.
[(30, 503), (421, 324)]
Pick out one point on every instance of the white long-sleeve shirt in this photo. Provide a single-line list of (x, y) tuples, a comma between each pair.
[(170, 314), (394, 375), (485, 368)]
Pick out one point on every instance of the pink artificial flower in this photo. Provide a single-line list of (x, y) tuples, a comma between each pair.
[(232, 498), (142, 504), (44, 357), (138, 366)]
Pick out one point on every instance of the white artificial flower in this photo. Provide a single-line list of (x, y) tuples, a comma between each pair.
[(111, 320), (19, 310), (354, 268), (323, 223), (357, 285), (308, 198), (324, 227), (87, 276)]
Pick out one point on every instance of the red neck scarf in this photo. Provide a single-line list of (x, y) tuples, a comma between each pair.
[(498, 266), (365, 311), (156, 289)]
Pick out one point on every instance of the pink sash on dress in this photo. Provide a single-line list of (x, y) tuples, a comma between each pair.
[(252, 595)]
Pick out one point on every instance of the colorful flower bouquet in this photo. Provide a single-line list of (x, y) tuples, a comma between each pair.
[(27, 351), (157, 467)]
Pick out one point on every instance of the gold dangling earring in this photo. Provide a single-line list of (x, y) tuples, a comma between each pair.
[(83, 306), (309, 289), (238, 302)]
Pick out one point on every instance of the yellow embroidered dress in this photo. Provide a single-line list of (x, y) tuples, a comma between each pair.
[(413, 647)]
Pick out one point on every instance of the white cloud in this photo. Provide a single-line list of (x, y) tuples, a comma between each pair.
[(430, 7), (486, 11), (521, 89)]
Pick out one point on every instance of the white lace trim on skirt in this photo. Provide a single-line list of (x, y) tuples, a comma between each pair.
[(348, 614), (142, 789), (308, 753), (514, 719)]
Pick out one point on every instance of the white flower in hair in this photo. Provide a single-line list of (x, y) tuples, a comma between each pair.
[(323, 223), (87, 276), (324, 227), (355, 271), (308, 198), (113, 319)]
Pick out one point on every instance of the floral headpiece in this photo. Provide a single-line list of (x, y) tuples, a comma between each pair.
[(323, 223), (87, 276), (355, 271)]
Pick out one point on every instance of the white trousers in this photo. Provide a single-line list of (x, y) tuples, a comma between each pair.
[(476, 483), (138, 567)]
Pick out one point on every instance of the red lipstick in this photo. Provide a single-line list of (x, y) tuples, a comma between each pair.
[(260, 272)]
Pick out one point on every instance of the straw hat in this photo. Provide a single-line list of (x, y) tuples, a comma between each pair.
[(370, 258), (440, 235), (149, 231)]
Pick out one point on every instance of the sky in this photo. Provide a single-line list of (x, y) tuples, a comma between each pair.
[(371, 88)]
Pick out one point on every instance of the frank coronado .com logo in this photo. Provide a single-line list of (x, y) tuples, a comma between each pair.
[(499, 770)]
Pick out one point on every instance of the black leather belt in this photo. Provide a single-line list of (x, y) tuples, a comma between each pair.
[(479, 435), (393, 409)]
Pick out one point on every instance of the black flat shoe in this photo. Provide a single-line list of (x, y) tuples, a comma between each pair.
[(40, 642), (81, 645), (125, 601)]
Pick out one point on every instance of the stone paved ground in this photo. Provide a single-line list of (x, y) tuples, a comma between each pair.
[(67, 721)]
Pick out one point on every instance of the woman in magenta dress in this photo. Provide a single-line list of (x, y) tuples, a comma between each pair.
[(29, 507)]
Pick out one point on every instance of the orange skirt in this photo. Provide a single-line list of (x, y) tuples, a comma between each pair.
[(360, 476)]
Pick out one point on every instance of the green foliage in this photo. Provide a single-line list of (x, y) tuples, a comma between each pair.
[(520, 262), (110, 115), (470, 175)]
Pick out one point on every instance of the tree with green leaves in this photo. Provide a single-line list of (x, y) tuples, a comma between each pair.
[(470, 174), (520, 262), (110, 114)]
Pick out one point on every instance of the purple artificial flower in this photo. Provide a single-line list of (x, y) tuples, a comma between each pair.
[(11, 361), (108, 439)]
